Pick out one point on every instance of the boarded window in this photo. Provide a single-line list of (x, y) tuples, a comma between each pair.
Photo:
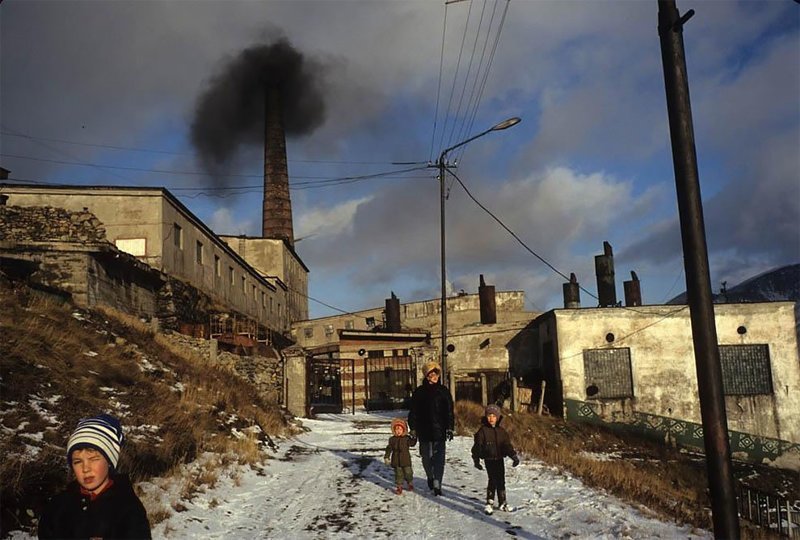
[(609, 372), (134, 246), (745, 369)]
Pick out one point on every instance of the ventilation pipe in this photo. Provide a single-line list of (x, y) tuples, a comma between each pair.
[(393, 314), (487, 302), (633, 291), (604, 270), (572, 293)]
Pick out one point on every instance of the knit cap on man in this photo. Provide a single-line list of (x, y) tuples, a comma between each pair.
[(427, 367), (102, 432)]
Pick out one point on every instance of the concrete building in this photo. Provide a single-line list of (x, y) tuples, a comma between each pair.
[(155, 227), (383, 350), (634, 367)]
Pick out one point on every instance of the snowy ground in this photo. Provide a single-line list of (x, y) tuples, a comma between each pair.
[(331, 483)]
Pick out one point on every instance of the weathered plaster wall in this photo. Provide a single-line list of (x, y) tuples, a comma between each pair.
[(663, 364)]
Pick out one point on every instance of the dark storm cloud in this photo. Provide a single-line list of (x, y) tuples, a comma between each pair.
[(230, 112)]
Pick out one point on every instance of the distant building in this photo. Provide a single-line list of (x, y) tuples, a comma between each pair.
[(374, 357)]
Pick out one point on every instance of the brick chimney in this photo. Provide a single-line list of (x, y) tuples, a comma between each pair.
[(277, 209)]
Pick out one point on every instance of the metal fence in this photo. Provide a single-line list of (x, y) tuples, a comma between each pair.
[(772, 512)]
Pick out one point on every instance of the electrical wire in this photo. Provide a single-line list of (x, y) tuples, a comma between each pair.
[(531, 251), (455, 79), (169, 152), (438, 84)]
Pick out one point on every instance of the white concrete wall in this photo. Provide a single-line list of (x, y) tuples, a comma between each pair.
[(663, 363)]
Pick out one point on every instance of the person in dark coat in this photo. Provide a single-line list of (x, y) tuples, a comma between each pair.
[(99, 503), (492, 444), (431, 419), (398, 455)]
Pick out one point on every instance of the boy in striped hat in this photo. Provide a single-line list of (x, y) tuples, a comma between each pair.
[(99, 503)]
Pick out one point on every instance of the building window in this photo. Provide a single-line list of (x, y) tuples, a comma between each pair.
[(348, 324), (217, 266), (198, 250), (270, 304), (328, 329), (370, 322), (244, 284), (231, 275), (177, 235), (255, 294), (375, 354), (608, 373), (264, 300), (308, 331), (745, 370)]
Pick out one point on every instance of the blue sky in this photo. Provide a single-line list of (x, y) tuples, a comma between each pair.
[(591, 160)]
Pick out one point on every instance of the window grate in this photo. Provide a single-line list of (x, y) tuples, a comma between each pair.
[(609, 370), (745, 369)]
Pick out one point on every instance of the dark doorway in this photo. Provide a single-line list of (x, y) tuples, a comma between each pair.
[(324, 385), (390, 382)]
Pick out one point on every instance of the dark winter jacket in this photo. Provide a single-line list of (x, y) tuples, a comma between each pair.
[(431, 412), (492, 442), (399, 450), (116, 513)]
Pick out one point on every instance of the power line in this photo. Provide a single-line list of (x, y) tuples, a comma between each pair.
[(170, 152)]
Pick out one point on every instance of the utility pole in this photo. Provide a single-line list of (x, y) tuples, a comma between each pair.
[(698, 282)]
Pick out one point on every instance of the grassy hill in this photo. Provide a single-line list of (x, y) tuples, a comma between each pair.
[(59, 364)]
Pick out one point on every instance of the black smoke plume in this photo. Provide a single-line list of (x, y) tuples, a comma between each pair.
[(230, 112)]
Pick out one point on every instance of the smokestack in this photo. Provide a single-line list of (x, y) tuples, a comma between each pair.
[(572, 293), (487, 303), (393, 314), (277, 202), (604, 270), (633, 291)]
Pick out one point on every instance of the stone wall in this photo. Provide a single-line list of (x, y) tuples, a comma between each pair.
[(48, 224), (265, 373)]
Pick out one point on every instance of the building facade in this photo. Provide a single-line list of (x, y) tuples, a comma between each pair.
[(635, 367)]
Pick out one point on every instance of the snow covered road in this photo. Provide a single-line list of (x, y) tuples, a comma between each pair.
[(331, 483)]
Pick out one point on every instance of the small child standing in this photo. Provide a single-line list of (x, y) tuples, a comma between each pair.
[(99, 503), (398, 455), (492, 444)]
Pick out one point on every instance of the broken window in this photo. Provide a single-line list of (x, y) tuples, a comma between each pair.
[(348, 324), (370, 322), (308, 331), (328, 329), (745, 369), (607, 372)]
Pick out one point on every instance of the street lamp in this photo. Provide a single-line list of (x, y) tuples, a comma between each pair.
[(505, 124)]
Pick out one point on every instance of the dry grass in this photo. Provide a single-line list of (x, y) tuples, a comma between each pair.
[(60, 364), (658, 478), (663, 479)]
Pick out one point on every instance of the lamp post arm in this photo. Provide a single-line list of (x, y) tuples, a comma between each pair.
[(462, 143)]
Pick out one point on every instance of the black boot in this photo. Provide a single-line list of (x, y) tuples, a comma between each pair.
[(430, 483)]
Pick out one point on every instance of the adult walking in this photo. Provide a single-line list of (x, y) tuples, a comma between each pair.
[(431, 419)]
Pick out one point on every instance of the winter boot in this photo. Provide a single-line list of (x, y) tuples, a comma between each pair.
[(430, 483), (501, 500), (410, 486), (488, 509), (437, 487), (399, 490)]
